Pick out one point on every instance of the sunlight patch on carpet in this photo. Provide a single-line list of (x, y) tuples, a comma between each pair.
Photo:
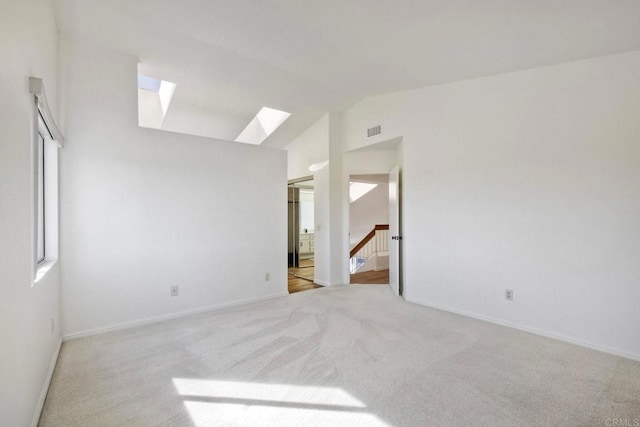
[(248, 403)]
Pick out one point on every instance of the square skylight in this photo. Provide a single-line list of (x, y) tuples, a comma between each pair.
[(262, 125)]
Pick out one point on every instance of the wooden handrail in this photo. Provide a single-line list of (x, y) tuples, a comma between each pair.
[(366, 239)]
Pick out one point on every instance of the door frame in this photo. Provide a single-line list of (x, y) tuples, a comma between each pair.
[(397, 170), (301, 179), (395, 147), (348, 211), (296, 245)]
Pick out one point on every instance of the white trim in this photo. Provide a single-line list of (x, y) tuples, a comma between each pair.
[(321, 283), (45, 387), (156, 319), (535, 331), (36, 87)]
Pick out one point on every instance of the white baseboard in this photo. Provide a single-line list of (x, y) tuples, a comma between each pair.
[(45, 387), (321, 283), (535, 331), (156, 319)]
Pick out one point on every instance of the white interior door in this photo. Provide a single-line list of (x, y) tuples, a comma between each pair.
[(394, 229)]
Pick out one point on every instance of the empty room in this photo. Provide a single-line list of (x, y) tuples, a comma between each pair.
[(337, 213)]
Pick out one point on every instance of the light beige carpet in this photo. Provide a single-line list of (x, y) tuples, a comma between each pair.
[(353, 356)]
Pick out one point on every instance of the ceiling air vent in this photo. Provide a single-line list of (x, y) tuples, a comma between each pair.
[(376, 130)]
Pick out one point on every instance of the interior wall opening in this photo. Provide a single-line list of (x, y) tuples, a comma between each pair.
[(301, 235), (369, 229)]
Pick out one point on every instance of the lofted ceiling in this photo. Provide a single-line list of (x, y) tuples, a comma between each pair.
[(229, 58)]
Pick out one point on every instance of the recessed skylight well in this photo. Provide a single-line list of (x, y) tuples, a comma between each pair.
[(165, 92), (154, 98), (262, 125)]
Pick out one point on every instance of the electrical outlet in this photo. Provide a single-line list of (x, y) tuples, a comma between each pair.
[(267, 277), (174, 291), (508, 294)]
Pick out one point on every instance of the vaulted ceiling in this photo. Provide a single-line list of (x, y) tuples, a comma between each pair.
[(229, 58)]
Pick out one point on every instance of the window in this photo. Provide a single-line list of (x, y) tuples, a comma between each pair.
[(46, 200), (40, 198), (46, 194), (46, 139)]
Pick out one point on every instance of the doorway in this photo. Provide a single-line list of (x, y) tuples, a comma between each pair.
[(300, 235), (369, 229)]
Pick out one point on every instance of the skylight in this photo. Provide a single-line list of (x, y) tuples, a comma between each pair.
[(359, 189), (263, 124), (149, 83)]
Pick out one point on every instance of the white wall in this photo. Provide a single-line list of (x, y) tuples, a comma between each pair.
[(368, 211), (370, 161), (143, 210), (319, 143), (185, 117), (28, 39), (311, 146), (321, 212), (528, 181), (338, 205)]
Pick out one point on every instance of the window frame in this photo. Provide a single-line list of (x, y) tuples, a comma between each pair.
[(41, 201), (45, 198), (44, 208)]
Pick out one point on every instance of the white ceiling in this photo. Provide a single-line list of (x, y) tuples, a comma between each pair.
[(229, 58)]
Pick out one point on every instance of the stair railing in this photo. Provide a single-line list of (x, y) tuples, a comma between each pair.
[(376, 241)]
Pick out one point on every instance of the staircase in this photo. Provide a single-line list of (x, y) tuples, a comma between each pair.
[(375, 244)]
